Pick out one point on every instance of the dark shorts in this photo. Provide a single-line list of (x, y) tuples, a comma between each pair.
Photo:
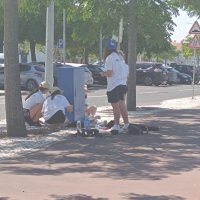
[(57, 118), (117, 94)]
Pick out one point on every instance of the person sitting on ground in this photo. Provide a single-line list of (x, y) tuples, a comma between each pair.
[(33, 104), (54, 107), (90, 111)]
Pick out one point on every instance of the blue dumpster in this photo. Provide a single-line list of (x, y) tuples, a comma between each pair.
[(71, 81)]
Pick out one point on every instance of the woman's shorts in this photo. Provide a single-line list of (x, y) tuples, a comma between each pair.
[(117, 94), (57, 118)]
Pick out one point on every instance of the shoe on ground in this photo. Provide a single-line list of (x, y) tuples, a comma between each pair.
[(115, 129), (124, 128)]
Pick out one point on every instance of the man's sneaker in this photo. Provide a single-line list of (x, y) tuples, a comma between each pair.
[(124, 129), (115, 129)]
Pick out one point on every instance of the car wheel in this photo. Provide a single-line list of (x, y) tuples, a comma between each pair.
[(148, 81), (31, 85)]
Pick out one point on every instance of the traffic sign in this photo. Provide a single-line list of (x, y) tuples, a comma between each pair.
[(195, 28), (60, 43), (195, 43)]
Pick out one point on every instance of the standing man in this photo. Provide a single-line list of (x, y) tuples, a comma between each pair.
[(116, 72)]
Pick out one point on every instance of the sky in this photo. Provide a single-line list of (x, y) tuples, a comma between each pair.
[(184, 24)]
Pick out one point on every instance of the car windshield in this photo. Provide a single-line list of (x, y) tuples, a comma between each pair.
[(173, 70), (160, 66), (39, 68)]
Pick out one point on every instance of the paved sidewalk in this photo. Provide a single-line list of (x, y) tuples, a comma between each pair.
[(162, 165)]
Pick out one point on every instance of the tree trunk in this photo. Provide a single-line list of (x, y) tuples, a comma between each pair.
[(132, 57), (32, 48), (85, 55), (13, 100)]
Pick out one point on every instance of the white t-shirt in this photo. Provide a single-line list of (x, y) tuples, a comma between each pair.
[(33, 100), (51, 106), (120, 71)]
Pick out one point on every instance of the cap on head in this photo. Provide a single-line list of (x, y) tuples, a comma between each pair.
[(55, 89), (111, 44), (44, 85)]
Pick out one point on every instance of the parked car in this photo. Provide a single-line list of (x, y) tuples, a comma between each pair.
[(96, 70), (1, 60), (184, 78), (172, 76), (30, 76), (87, 75), (151, 73), (187, 69)]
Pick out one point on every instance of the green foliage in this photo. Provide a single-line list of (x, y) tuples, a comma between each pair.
[(32, 20), (85, 19), (186, 50)]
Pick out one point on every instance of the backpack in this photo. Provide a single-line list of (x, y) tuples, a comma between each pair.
[(134, 130)]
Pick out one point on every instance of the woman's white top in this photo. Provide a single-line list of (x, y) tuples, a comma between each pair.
[(51, 106), (33, 100), (120, 71)]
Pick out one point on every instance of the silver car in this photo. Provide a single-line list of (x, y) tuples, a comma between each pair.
[(87, 75), (31, 76), (1, 59)]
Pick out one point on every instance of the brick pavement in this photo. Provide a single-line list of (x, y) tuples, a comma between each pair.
[(162, 165)]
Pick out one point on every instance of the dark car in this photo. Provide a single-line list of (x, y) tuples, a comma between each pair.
[(184, 78), (96, 70), (187, 69), (181, 78), (172, 76), (151, 73)]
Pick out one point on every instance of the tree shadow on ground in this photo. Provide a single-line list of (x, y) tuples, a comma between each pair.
[(147, 197), (174, 149), (131, 196), (76, 197)]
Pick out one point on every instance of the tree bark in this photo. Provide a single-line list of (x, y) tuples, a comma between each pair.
[(132, 57), (85, 55), (32, 49), (13, 100)]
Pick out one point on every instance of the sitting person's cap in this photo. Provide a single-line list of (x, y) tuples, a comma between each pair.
[(44, 85), (111, 44), (55, 89)]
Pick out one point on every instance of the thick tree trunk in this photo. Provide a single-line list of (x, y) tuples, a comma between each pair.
[(32, 48), (13, 100), (132, 57)]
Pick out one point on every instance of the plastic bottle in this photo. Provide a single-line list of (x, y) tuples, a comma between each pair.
[(86, 123), (78, 126)]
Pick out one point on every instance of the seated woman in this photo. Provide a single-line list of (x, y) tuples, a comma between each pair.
[(33, 104), (54, 107)]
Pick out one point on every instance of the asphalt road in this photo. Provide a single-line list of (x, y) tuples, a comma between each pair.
[(146, 95)]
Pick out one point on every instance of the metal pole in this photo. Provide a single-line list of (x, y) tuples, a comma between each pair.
[(64, 35), (194, 73), (120, 33), (100, 48), (49, 43)]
